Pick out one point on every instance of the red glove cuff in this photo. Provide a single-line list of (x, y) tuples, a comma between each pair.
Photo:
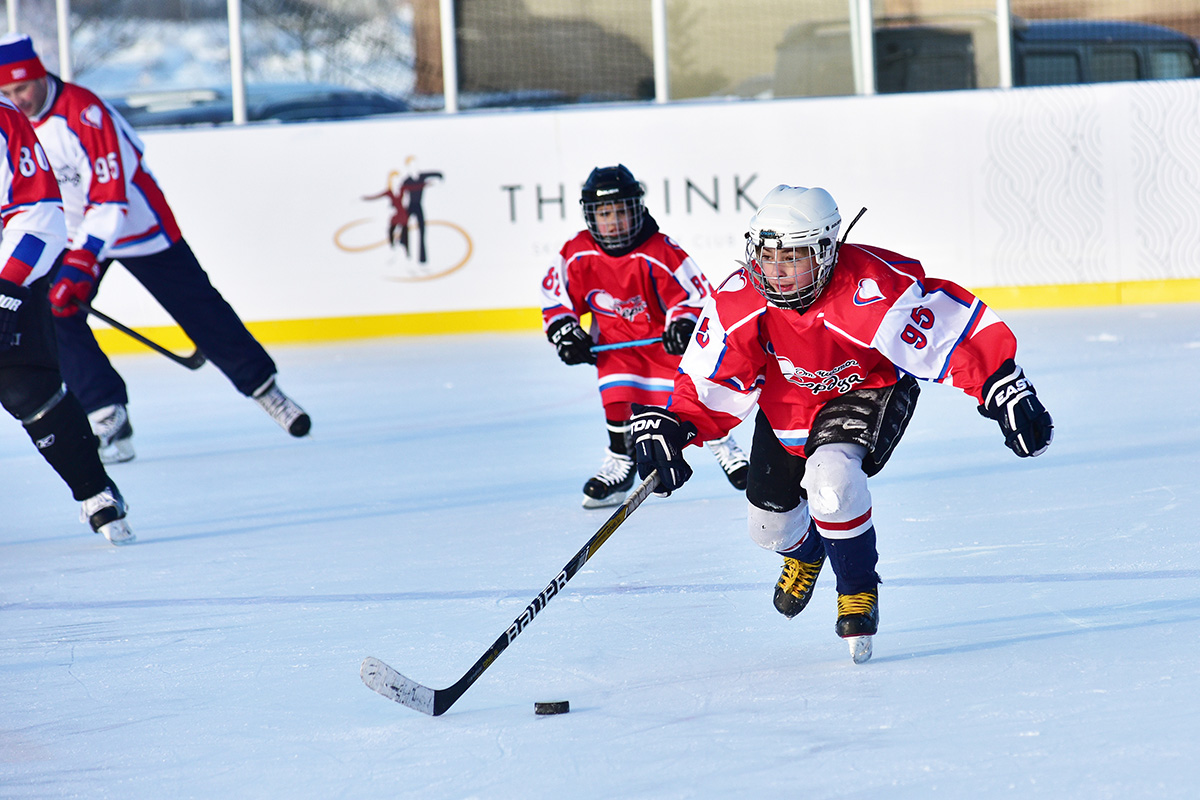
[(84, 261)]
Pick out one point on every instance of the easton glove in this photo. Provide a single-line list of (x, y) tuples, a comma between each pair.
[(75, 280), (658, 441), (11, 298), (678, 334), (1010, 399), (573, 343)]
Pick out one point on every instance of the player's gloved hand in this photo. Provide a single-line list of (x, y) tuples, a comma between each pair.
[(12, 297), (658, 441), (573, 343), (75, 280), (1010, 399), (678, 334)]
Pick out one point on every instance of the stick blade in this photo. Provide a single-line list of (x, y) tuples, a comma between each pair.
[(381, 678), (195, 361)]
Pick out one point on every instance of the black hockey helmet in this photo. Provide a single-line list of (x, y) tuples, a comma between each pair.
[(613, 189)]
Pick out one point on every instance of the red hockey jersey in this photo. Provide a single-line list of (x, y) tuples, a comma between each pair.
[(630, 297), (879, 317), (30, 207)]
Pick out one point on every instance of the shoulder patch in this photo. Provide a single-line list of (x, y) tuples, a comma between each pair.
[(734, 283), (868, 292), (92, 116)]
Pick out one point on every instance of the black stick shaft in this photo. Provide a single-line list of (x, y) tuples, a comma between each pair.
[(194, 361), (444, 698)]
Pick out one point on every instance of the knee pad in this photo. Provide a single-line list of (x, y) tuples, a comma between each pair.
[(777, 530), (28, 393), (837, 486)]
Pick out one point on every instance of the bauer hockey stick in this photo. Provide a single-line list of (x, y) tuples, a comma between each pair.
[(194, 361), (394, 686), (600, 348)]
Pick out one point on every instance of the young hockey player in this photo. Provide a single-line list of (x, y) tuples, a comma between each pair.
[(828, 341), (637, 284), (116, 211), (31, 387)]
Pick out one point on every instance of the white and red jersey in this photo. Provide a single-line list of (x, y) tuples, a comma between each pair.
[(630, 297), (878, 318), (113, 205), (30, 207)]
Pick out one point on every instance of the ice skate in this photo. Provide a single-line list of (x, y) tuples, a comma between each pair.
[(608, 486), (105, 512), (858, 621), (112, 428), (795, 586), (283, 409), (732, 460)]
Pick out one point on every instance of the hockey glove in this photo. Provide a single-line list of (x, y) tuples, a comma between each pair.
[(658, 441), (75, 280), (678, 334), (1010, 399), (573, 343), (11, 298)]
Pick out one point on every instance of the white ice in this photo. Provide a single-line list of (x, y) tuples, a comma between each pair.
[(1040, 629)]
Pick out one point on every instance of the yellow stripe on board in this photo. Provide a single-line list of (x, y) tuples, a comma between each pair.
[(530, 319)]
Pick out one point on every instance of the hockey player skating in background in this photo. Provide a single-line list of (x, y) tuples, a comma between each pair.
[(31, 386), (116, 211), (637, 283), (827, 341)]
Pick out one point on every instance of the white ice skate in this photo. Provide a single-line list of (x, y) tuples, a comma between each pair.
[(112, 428), (608, 486), (732, 460), (291, 417), (105, 512)]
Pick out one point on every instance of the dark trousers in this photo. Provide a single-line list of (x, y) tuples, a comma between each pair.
[(177, 281)]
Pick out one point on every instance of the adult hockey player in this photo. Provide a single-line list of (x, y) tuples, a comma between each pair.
[(116, 211), (637, 283), (31, 387), (828, 341)]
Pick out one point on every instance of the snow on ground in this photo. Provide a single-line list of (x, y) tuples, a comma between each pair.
[(1040, 618)]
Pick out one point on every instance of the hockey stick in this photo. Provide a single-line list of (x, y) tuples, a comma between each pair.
[(600, 348), (394, 686), (194, 361)]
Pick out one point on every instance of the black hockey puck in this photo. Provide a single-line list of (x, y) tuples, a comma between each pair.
[(557, 707)]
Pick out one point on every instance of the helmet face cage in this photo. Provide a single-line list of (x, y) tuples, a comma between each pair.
[(791, 263), (614, 224), (799, 226), (613, 207)]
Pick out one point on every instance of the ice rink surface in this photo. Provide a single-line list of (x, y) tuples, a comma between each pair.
[(1040, 618)]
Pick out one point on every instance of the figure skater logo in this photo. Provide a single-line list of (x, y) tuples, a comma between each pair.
[(446, 248)]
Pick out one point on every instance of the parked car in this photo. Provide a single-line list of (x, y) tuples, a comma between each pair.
[(279, 102), (1054, 52), (814, 58)]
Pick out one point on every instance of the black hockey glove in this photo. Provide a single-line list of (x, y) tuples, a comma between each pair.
[(678, 334), (573, 343), (658, 441), (11, 298), (1010, 399)]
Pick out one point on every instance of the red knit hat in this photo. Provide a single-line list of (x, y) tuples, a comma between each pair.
[(18, 61)]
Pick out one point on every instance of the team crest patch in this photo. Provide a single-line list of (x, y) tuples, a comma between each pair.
[(92, 117), (868, 292), (601, 302), (735, 282), (840, 379)]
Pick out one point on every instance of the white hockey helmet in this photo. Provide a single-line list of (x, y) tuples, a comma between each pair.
[(798, 228)]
